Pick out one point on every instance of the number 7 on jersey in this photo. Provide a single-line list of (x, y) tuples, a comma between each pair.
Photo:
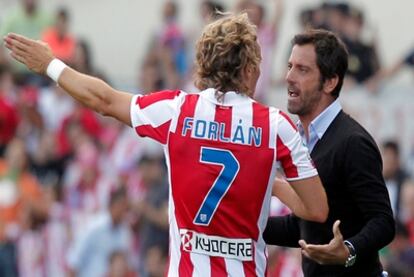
[(230, 168)]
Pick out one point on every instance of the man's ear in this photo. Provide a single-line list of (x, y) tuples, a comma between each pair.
[(330, 84), (247, 71)]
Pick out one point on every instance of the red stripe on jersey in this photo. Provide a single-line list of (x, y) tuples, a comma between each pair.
[(149, 99), (159, 134), (224, 115), (249, 268), (186, 267), (284, 156), (218, 267), (187, 110), (261, 119), (288, 119)]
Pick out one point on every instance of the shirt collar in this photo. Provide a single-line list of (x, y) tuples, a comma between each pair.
[(321, 123), (230, 98)]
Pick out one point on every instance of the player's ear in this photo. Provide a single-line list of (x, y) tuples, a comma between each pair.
[(330, 84), (247, 72)]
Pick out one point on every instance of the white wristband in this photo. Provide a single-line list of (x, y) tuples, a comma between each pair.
[(55, 69)]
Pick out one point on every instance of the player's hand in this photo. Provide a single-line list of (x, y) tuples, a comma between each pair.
[(35, 54), (335, 252)]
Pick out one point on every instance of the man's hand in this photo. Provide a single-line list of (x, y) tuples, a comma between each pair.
[(335, 252), (35, 54)]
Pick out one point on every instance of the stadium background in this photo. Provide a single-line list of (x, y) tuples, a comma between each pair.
[(126, 26), (119, 34)]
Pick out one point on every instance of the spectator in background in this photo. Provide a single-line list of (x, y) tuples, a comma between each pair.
[(31, 122), (152, 210), (210, 10), (407, 209), (156, 261), (87, 191), (119, 266), (60, 40), (150, 77), (267, 35), (19, 193), (3, 57), (385, 74), (31, 244), (306, 19), (54, 101), (335, 16), (90, 254), (170, 41), (363, 61), (395, 176), (29, 19), (56, 233), (9, 117), (82, 60), (45, 163), (400, 260), (348, 22)]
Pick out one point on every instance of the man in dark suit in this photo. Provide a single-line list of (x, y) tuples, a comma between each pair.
[(349, 165)]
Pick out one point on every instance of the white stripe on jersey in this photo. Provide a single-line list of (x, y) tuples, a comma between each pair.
[(261, 254), (204, 110), (158, 112), (201, 265), (174, 121), (234, 268), (299, 152), (273, 121), (242, 115), (175, 239)]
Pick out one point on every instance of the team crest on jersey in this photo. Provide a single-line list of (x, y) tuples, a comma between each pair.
[(203, 217), (186, 238)]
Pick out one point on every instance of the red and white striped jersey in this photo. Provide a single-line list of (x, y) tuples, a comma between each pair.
[(222, 157)]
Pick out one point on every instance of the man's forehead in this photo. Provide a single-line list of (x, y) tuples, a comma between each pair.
[(303, 55)]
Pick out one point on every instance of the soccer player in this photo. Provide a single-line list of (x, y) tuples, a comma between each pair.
[(222, 149)]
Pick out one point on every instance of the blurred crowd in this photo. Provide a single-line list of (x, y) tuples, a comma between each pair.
[(82, 195)]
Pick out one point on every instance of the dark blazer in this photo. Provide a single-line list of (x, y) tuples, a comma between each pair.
[(350, 167)]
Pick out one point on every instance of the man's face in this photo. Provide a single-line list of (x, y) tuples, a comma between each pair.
[(390, 163), (30, 4), (255, 14), (303, 80)]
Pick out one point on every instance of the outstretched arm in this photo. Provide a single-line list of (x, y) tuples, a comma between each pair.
[(90, 91)]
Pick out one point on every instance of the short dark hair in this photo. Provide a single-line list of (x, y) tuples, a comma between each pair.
[(62, 13), (392, 145), (401, 229), (4, 69), (215, 8), (119, 193), (331, 54)]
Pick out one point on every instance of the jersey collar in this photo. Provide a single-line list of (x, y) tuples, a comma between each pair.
[(230, 98)]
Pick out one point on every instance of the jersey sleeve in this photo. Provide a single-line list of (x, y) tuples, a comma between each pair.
[(291, 152), (151, 114)]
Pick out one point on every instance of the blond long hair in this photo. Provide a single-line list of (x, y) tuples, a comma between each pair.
[(224, 49)]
